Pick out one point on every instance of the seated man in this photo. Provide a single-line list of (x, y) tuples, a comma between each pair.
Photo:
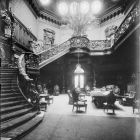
[(75, 94)]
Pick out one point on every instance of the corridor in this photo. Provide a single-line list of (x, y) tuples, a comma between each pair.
[(60, 123)]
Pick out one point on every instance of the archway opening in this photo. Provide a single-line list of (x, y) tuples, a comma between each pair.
[(79, 77)]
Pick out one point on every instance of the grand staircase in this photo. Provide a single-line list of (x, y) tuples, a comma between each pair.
[(17, 115)]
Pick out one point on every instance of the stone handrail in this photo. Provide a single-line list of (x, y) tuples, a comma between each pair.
[(22, 67)]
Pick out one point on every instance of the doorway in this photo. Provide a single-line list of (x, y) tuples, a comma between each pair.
[(79, 79)]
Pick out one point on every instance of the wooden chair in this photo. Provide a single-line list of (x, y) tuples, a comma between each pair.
[(43, 102), (110, 102), (78, 103), (49, 99)]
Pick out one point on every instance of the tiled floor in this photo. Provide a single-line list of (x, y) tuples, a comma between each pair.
[(60, 123)]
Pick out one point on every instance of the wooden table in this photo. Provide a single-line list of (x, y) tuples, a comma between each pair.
[(99, 97)]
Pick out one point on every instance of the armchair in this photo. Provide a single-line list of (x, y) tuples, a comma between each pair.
[(43, 101), (77, 102)]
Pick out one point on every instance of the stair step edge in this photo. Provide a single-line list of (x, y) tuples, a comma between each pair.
[(13, 123), (15, 114), (21, 131)]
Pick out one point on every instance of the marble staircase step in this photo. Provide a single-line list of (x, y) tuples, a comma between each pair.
[(14, 114), (9, 94), (16, 98), (17, 133), (15, 122), (13, 108), (11, 103)]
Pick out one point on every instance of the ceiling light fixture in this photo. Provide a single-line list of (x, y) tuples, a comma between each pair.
[(79, 13), (96, 6), (45, 2)]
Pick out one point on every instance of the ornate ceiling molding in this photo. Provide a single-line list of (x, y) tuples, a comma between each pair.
[(33, 5), (51, 17)]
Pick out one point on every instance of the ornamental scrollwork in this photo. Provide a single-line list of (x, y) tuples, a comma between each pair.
[(129, 20), (79, 42), (56, 49), (95, 45)]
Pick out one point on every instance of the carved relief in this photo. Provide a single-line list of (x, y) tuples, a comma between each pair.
[(110, 31), (49, 36)]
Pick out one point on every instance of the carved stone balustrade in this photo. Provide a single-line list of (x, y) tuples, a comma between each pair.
[(39, 47), (99, 45), (55, 52), (31, 60)]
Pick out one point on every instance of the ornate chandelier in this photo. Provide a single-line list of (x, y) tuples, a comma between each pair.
[(78, 14)]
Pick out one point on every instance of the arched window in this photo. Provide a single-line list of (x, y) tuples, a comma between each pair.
[(79, 77)]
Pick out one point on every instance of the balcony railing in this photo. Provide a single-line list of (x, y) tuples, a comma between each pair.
[(100, 45)]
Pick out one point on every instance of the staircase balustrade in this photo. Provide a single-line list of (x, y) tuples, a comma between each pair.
[(130, 19), (28, 63), (55, 50), (99, 45)]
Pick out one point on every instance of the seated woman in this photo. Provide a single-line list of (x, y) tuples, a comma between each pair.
[(87, 90), (45, 90)]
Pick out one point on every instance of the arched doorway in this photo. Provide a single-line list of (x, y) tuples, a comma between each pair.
[(79, 78)]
